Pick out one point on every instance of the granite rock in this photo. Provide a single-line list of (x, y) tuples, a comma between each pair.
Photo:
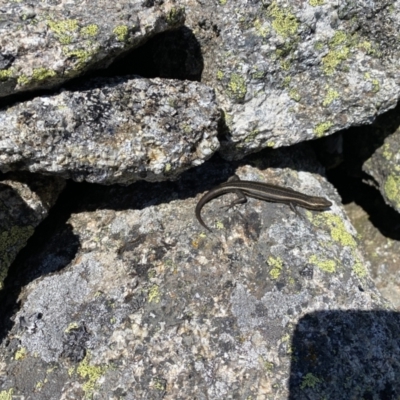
[(287, 71), (149, 305), (44, 44), (25, 201), (115, 130)]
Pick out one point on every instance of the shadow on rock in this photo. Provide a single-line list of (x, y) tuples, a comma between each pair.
[(52, 247), (346, 355)]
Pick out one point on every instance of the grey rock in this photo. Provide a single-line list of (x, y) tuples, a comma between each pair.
[(43, 44), (159, 308), (115, 130), (25, 201), (289, 71), (384, 166)]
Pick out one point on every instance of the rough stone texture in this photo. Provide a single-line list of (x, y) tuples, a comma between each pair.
[(149, 305), (45, 43), (384, 166), (24, 202), (287, 71), (112, 131), (382, 248)]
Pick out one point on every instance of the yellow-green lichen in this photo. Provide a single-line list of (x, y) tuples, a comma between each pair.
[(23, 80), (219, 225), (376, 85), (318, 46), (20, 354), (367, 47), (11, 242), (285, 64), (64, 30), (91, 374), (82, 56), (121, 32), (39, 385), (41, 74), (237, 87), (222, 2), (71, 326), (359, 269), (286, 81), (392, 189), (159, 384), (277, 265), (220, 74), (261, 29), (386, 151), (337, 228), (154, 295), (168, 166), (325, 265), (338, 52), (175, 15), (6, 394), (375, 82), (330, 96), (309, 381), (294, 95), (284, 22), (90, 30), (271, 144), (252, 135), (5, 74), (316, 3), (322, 128)]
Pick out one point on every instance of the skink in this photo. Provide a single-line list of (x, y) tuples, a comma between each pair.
[(262, 191)]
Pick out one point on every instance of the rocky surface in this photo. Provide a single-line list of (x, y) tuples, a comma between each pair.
[(115, 130), (287, 71), (384, 167), (255, 309), (43, 44), (25, 201), (120, 293)]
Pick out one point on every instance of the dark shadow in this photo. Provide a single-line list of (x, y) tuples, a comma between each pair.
[(344, 154), (353, 189), (346, 355), (54, 239), (174, 54), (32, 261)]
